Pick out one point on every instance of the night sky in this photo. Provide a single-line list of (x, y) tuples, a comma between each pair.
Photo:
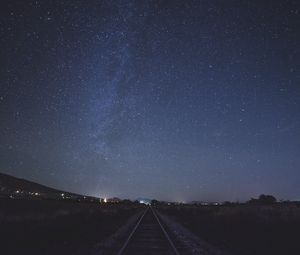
[(173, 100)]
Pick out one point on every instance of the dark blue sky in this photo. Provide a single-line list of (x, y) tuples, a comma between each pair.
[(175, 100)]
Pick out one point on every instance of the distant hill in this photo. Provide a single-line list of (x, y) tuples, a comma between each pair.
[(8, 182), (19, 188)]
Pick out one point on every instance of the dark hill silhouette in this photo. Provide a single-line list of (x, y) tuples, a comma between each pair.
[(11, 183), (21, 188)]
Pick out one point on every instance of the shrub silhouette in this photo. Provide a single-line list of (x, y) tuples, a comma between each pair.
[(263, 199)]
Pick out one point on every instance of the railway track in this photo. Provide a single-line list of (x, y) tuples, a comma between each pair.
[(148, 237)]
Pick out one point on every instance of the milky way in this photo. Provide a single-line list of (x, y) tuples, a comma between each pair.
[(176, 100)]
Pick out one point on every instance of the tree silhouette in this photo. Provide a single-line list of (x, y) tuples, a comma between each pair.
[(263, 199)]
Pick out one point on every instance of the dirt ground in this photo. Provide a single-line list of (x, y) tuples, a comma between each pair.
[(243, 229), (58, 227)]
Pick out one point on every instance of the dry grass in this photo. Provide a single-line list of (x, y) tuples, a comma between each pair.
[(243, 229)]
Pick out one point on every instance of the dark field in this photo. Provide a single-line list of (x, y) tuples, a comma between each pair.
[(243, 229), (47, 227), (58, 227)]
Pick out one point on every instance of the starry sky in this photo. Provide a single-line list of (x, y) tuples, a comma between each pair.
[(173, 100)]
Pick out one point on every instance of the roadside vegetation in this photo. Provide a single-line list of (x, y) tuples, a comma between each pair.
[(59, 227), (259, 227)]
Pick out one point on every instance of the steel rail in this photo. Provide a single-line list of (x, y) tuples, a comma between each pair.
[(165, 233), (132, 232), (121, 251)]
